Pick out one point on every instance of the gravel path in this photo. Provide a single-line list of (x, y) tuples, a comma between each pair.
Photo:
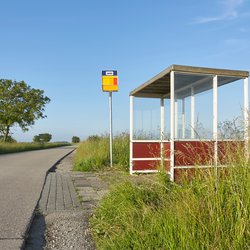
[(68, 230)]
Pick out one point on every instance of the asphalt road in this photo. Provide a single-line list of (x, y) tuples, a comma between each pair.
[(21, 180)]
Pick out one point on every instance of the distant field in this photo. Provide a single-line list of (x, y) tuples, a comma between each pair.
[(28, 146)]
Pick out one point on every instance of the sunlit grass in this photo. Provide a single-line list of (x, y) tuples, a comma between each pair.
[(211, 211), (93, 154)]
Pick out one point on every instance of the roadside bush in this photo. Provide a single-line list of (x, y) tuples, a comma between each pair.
[(46, 137), (75, 139)]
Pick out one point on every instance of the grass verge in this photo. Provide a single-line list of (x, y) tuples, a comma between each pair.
[(93, 154), (26, 146), (211, 212)]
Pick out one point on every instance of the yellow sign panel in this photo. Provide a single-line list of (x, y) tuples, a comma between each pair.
[(109, 80)]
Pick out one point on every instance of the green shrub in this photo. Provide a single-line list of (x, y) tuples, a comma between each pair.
[(46, 137), (75, 139)]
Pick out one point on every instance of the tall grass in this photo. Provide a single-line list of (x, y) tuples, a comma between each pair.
[(28, 146), (209, 212), (93, 154)]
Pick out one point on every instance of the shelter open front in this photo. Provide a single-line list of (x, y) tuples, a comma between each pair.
[(186, 117)]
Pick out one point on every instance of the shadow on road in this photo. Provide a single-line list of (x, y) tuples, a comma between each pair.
[(35, 239)]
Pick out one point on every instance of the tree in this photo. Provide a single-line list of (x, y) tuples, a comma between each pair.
[(9, 139), (46, 137), (75, 139), (36, 138), (20, 105)]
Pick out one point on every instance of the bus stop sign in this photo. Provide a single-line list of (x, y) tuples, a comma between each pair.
[(109, 81)]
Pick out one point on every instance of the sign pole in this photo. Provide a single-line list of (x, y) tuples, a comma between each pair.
[(110, 84), (111, 129)]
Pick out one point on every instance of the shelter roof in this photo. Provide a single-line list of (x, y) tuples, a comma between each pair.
[(199, 78)]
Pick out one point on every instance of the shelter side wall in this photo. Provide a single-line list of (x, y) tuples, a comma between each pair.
[(230, 151), (188, 155), (145, 165), (201, 153), (147, 155)]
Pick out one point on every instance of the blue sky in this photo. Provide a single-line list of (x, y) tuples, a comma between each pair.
[(62, 46)]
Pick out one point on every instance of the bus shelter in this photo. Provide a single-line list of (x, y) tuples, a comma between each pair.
[(192, 103)]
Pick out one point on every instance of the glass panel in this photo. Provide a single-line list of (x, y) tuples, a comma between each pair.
[(230, 109), (204, 114), (194, 106), (146, 119)]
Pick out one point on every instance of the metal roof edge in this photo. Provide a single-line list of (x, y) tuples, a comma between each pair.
[(191, 69), (206, 70), (156, 77)]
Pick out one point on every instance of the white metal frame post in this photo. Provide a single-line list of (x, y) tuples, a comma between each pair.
[(172, 125), (183, 118), (131, 134), (111, 129), (176, 119), (192, 113), (215, 120), (162, 133), (246, 118)]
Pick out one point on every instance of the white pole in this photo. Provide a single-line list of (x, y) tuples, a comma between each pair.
[(131, 134), (162, 132), (172, 125), (246, 117), (192, 114), (183, 119), (215, 121), (111, 129)]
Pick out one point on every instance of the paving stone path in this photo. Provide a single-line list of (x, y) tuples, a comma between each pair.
[(67, 201), (58, 194), (90, 188)]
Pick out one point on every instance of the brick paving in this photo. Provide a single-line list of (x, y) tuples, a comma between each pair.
[(58, 194)]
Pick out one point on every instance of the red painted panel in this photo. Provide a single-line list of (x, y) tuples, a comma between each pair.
[(230, 151), (193, 153), (146, 149), (167, 165), (145, 165), (150, 149), (149, 165), (167, 149)]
